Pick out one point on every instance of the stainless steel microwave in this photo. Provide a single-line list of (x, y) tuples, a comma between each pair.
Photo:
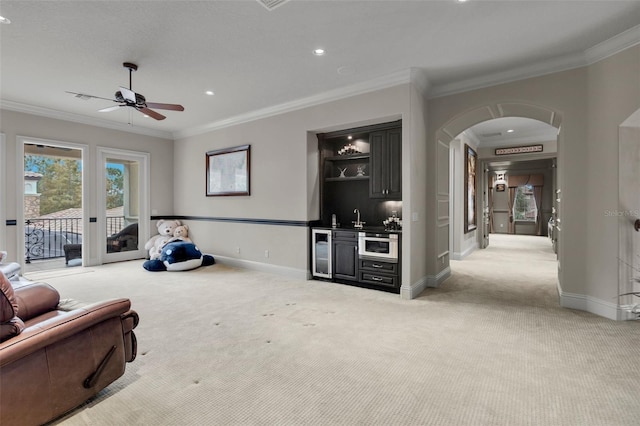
[(378, 246)]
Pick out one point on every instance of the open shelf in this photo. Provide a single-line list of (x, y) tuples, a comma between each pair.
[(339, 179), (364, 156)]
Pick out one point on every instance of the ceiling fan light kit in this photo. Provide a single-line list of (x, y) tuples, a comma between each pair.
[(128, 98)]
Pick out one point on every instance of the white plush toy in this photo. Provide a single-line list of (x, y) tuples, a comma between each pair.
[(166, 228), (156, 250), (181, 234)]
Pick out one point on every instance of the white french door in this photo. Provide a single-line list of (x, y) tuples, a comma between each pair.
[(123, 204)]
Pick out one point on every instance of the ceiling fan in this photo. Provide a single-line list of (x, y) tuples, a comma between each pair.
[(128, 98)]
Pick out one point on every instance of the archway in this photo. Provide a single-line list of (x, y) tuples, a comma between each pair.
[(457, 125)]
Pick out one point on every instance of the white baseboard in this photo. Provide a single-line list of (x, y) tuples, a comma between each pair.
[(461, 255), (263, 267), (412, 291), (593, 305)]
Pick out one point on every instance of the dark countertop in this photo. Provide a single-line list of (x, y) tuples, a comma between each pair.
[(373, 229)]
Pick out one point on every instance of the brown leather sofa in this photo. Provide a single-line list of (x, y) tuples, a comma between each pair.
[(67, 352)]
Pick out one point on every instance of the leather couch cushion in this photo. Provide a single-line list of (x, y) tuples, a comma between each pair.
[(35, 299), (10, 324)]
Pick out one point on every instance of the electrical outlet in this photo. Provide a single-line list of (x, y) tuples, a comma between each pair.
[(266, 253)]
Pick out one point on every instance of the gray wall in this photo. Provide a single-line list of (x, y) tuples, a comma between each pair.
[(284, 176)]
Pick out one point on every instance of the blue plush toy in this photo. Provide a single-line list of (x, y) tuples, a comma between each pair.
[(179, 256)]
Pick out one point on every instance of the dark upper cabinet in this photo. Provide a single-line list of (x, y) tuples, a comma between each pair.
[(386, 164)]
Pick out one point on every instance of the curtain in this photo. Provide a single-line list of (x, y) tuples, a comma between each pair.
[(512, 197), (537, 195)]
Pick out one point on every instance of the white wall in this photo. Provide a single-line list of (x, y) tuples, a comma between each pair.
[(14, 124)]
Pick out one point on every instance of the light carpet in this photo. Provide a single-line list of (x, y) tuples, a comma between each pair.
[(222, 346)]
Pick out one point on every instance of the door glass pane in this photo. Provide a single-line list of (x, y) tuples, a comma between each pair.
[(52, 207), (122, 204)]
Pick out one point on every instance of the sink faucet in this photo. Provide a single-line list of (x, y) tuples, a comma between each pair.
[(357, 224)]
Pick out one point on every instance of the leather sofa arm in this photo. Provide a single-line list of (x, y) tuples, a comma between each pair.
[(129, 322), (57, 325)]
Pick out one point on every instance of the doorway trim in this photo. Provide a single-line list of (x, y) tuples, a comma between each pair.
[(144, 158), (86, 237), (628, 237)]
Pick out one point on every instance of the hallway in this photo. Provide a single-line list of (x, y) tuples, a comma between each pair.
[(516, 270)]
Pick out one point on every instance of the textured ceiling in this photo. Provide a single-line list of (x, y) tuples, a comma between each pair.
[(254, 58)]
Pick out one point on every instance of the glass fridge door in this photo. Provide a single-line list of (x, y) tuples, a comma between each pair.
[(321, 253)]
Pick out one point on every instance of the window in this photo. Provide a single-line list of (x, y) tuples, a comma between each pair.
[(524, 206)]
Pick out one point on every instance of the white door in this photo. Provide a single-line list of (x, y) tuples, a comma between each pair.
[(123, 201)]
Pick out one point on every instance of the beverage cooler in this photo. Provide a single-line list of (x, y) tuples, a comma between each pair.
[(321, 253)]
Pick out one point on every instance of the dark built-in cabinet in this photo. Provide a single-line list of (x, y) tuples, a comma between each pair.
[(379, 273), (345, 255), (386, 164), (361, 168)]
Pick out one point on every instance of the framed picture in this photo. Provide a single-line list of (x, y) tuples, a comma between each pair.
[(228, 171), (501, 187), (471, 163)]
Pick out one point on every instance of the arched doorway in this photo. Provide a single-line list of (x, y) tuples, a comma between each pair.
[(448, 133)]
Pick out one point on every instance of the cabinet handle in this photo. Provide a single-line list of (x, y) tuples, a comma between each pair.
[(375, 265), (376, 279)]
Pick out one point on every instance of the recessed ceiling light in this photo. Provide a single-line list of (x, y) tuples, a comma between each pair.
[(4, 20), (510, 131), (349, 137), (209, 92), (319, 52), (462, 1)]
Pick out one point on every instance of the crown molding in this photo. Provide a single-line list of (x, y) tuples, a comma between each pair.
[(82, 119), (596, 53), (389, 80), (614, 45), (550, 66)]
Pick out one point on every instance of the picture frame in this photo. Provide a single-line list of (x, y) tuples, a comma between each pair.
[(501, 187), (228, 171), (470, 179)]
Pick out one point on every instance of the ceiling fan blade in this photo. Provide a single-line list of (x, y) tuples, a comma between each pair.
[(128, 94), (85, 97), (172, 107), (111, 108), (151, 113)]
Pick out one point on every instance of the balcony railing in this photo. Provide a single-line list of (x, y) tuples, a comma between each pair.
[(45, 238)]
